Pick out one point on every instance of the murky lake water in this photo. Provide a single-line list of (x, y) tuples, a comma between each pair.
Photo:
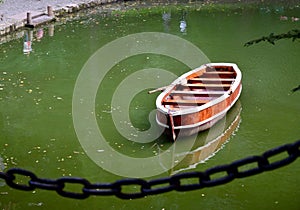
[(36, 124)]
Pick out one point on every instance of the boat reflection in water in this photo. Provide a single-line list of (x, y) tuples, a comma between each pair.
[(209, 142)]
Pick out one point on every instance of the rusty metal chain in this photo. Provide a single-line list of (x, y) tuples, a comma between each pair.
[(161, 185)]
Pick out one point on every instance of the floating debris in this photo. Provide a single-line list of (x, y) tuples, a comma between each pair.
[(35, 204)]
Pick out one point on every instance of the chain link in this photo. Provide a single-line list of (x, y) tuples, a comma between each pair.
[(45, 184), (122, 183), (10, 181), (100, 189), (179, 178), (72, 180), (223, 174), (150, 190)]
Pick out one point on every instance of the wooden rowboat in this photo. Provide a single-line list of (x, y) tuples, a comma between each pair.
[(198, 99)]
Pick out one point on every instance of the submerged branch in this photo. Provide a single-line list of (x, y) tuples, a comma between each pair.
[(293, 34)]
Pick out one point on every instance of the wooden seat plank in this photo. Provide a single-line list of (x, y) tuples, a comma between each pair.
[(219, 72), (186, 92), (200, 85), (212, 79), (184, 102)]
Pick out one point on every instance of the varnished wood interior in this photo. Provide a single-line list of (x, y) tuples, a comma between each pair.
[(211, 80), (201, 87), (197, 93), (208, 86), (219, 68)]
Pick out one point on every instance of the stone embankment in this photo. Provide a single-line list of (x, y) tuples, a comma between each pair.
[(15, 14)]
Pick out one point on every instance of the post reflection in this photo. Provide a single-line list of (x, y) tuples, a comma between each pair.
[(183, 23), (39, 34), (166, 16), (51, 30), (27, 49), (35, 35)]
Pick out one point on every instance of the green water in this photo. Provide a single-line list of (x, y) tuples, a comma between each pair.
[(36, 123)]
